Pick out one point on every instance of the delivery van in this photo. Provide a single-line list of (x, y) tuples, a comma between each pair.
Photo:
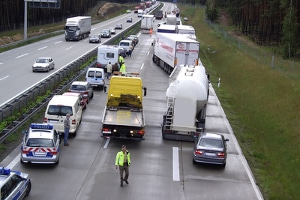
[(95, 77), (125, 44), (57, 109)]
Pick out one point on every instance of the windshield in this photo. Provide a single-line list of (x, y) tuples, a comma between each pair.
[(59, 110), (71, 28), (78, 87)]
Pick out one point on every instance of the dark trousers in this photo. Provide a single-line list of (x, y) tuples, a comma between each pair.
[(122, 169)]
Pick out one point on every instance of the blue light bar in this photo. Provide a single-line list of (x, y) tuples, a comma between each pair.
[(41, 126), (4, 171)]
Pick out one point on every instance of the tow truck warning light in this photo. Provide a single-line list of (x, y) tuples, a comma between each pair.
[(41, 126)]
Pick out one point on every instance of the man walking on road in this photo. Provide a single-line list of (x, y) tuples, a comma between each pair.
[(66, 129), (123, 161)]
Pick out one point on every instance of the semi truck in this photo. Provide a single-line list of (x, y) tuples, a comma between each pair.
[(123, 115), (171, 50), (187, 97), (147, 23), (77, 28)]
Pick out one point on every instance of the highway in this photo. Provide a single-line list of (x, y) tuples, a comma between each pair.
[(160, 169)]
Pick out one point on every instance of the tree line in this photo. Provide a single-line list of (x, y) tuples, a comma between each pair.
[(12, 12), (268, 22)]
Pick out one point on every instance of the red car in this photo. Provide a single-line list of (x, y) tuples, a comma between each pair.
[(83, 101)]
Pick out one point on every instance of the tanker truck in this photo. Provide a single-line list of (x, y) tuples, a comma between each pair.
[(187, 97), (172, 49), (77, 28), (123, 115)]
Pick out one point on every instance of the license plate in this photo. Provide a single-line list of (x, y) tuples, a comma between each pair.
[(53, 121), (210, 154)]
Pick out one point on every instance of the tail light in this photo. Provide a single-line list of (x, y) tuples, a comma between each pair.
[(221, 154), (98, 64), (74, 121), (54, 151), (86, 92), (25, 151), (105, 129), (141, 132), (45, 120), (198, 152)]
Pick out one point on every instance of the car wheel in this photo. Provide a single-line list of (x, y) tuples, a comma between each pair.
[(21, 161), (57, 162), (92, 95), (28, 189)]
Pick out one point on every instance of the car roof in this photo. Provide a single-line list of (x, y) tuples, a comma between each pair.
[(43, 58), (211, 136), (80, 83), (41, 131), (76, 94)]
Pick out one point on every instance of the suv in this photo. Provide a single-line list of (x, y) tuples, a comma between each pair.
[(84, 88), (105, 33), (14, 184), (40, 144)]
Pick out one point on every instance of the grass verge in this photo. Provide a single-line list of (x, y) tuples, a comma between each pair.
[(262, 105)]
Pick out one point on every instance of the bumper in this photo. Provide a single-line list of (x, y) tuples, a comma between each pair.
[(39, 159), (209, 160)]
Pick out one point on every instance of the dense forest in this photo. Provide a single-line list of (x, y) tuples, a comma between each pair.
[(267, 22), (12, 12)]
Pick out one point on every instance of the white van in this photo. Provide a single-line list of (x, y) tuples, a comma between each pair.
[(58, 107), (107, 53), (125, 44), (95, 77), (140, 13)]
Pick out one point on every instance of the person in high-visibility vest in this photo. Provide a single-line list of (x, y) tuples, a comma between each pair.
[(121, 59), (123, 162), (123, 68)]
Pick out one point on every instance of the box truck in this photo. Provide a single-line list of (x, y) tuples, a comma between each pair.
[(77, 28), (171, 50)]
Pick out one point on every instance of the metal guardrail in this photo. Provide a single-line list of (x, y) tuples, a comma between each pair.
[(53, 83)]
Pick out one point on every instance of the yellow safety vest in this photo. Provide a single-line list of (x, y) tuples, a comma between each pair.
[(120, 158)]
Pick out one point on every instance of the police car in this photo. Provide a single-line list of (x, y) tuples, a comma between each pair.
[(14, 184), (41, 144)]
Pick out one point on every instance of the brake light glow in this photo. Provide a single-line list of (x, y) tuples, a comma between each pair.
[(74, 121), (198, 152), (221, 154)]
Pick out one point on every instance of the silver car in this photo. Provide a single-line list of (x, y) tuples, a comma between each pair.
[(41, 144), (119, 26), (14, 184), (43, 64), (211, 148), (112, 30)]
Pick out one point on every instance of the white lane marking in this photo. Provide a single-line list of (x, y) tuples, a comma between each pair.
[(176, 176), (69, 48), (3, 78), (22, 55), (106, 143), (148, 53), (142, 66), (42, 48), (57, 42), (14, 162)]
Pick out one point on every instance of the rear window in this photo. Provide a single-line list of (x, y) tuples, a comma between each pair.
[(110, 55), (39, 142), (97, 74), (78, 87), (124, 44), (59, 110)]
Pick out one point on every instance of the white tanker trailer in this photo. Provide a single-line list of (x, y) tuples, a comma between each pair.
[(187, 96)]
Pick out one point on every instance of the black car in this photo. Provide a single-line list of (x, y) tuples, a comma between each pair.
[(211, 148), (105, 33), (95, 38), (129, 19)]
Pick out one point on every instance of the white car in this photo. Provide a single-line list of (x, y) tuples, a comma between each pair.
[(112, 30), (119, 26), (43, 64)]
